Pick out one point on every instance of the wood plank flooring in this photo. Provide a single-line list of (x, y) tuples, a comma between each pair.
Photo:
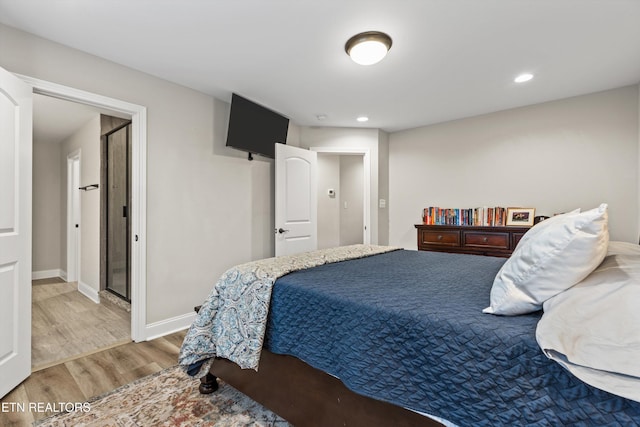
[(66, 324), (80, 379)]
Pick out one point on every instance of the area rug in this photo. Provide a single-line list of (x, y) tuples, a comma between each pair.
[(168, 398)]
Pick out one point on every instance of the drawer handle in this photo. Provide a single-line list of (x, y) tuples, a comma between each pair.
[(440, 237), (485, 239)]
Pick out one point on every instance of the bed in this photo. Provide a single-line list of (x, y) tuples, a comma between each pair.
[(387, 337)]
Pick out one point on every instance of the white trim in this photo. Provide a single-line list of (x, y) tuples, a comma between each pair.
[(168, 326), (366, 198), (139, 225), (73, 249), (89, 292), (46, 274), (138, 116)]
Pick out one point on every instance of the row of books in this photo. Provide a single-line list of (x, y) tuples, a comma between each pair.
[(483, 216)]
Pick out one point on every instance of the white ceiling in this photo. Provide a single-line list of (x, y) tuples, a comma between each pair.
[(450, 58), (55, 119)]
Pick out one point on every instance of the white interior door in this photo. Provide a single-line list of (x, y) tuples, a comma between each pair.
[(15, 230), (296, 196)]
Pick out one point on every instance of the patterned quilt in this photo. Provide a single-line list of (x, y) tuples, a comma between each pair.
[(231, 322), (404, 327), (407, 327)]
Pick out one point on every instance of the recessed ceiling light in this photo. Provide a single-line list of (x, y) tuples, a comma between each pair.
[(368, 48), (362, 119), (525, 77)]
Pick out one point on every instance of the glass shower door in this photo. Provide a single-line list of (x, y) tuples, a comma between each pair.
[(117, 213)]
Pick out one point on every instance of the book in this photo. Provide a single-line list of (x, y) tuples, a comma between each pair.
[(480, 216)]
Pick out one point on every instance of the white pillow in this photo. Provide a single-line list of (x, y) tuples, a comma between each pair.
[(563, 251), (593, 329)]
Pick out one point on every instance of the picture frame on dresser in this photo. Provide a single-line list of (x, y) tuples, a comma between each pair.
[(522, 217)]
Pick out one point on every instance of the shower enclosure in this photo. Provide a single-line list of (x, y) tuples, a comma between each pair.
[(117, 163)]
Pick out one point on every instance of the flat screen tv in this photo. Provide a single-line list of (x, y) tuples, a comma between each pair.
[(254, 128)]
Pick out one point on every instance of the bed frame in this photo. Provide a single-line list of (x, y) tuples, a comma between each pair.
[(306, 396)]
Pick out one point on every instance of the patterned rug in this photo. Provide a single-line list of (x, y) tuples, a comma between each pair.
[(167, 398)]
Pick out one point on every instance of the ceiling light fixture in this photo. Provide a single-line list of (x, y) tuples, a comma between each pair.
[(362, 119), (368, 48), (523, 78)]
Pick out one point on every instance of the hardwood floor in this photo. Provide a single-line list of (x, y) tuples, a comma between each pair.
[(80, 379), (80, 349), (66, 324)]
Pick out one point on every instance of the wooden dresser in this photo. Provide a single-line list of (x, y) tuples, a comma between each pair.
[(491, 241)]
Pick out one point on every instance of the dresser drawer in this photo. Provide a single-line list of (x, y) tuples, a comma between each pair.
[(440, 237), (469, 239), (515, 239), (485, 240)]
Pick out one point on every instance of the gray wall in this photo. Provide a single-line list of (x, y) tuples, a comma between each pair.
[(47, 200), (208, 208), (87, 141), (556, 156), (351, 199), (328, 207), (383, 188)]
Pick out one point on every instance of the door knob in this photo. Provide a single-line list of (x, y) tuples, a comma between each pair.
[(282, 230)]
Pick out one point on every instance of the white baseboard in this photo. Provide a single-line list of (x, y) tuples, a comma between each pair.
[(89, 292), (46, 274), (168, 326)]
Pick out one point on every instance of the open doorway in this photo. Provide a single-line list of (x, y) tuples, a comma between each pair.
[(138, 213), (69, 317), (344, 214), (341, 208)]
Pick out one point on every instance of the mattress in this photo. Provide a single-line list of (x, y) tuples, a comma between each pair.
[(407, 327)]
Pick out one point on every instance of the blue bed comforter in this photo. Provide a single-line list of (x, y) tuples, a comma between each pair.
[(407, 327)]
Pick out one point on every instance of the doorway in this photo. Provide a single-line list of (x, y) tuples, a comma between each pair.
[(343, 196), (340, 200), (138, 116), (68, 316), (351, 199)]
